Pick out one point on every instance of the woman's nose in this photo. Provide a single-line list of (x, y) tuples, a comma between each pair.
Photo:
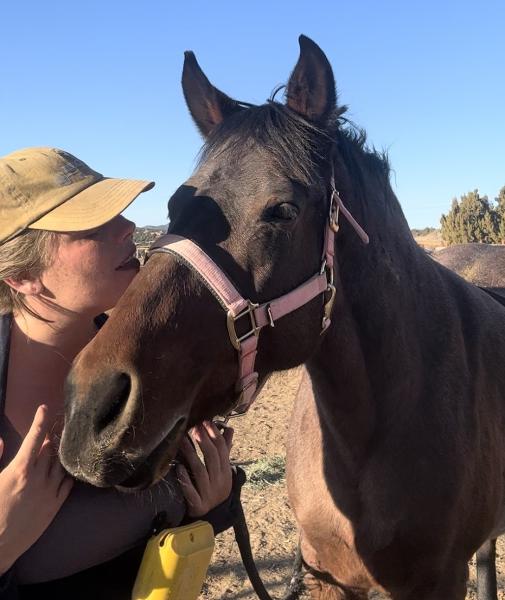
[(125, 227)]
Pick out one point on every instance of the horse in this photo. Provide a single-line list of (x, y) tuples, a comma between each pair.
[(396, 447)]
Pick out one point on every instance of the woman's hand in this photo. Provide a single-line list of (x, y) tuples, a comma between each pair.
[(33, 486), (209, 483)]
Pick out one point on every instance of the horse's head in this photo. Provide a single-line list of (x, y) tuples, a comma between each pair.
[(257, 205)]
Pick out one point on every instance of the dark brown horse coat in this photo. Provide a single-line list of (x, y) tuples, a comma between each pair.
[(397, 441)]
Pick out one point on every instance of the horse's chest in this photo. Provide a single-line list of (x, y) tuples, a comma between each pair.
[(327, 533), (313, 500), (327, 490)]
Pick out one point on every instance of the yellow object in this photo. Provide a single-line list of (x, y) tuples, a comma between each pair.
[(175, 563)]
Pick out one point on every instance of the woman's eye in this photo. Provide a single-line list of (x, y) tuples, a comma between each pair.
[(283, 212), (91, 233)]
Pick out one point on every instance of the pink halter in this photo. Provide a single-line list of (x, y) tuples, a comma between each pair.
[(268, 313)]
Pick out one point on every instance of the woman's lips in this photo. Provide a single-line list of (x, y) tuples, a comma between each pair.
[(131, 263)]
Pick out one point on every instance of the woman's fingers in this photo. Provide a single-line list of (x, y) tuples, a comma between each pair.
[(188, 489), (210, 451), (228, 437), (32, 443), (195, 465), (222, 441), (206, 485), (45, 457)]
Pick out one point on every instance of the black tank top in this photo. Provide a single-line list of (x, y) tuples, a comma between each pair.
[(93, 525)]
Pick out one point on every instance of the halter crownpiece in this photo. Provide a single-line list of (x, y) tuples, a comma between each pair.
[(260, 315), (337, 205)]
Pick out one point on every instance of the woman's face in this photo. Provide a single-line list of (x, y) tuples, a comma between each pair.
[(91, 269)]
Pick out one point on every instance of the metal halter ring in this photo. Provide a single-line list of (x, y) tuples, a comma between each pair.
[(231, 320)]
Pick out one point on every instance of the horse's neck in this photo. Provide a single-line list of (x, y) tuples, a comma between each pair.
[(342, 390), (357, 365)]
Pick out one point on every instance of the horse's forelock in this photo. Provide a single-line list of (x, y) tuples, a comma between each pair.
[(296, 146)]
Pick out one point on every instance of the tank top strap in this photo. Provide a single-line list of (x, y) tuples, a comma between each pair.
[(100, 320), (5, 334)]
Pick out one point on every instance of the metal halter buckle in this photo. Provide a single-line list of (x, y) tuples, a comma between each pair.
[(231, 320), (328, 305), (334, 211)]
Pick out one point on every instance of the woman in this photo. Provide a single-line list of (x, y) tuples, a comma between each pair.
[(67, 256)]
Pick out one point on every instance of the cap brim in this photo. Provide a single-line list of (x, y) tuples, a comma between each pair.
[(94, 206)]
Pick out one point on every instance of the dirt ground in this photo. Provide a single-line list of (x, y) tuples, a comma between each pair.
[(259, 448)]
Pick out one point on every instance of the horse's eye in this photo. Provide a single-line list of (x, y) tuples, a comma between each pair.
[(283, 212)]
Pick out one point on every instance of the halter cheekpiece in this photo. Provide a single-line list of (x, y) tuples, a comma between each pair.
[(260, 315)]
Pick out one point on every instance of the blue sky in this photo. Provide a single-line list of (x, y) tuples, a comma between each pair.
[(101, 79)]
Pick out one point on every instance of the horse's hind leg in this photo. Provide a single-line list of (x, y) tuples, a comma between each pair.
[(486, 571)]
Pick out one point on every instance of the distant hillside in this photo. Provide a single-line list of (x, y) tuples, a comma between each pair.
[(144, 236), (153, 226), (429, 238)]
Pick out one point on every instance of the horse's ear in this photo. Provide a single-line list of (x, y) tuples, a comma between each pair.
[(311, 87), (207, 105)]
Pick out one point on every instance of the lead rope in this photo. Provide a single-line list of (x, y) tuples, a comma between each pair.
[(244, 545), (242, 536)]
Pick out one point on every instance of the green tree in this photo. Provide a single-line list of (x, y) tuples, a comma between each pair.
[(451, 224), (500, 212), (472, 219)]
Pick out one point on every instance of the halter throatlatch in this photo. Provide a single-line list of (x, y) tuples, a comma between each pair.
[(260, 315)]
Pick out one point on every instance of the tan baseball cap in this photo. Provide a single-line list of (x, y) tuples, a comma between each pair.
[(47, 188)]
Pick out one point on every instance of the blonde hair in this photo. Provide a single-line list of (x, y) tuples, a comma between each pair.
[(26, 256)]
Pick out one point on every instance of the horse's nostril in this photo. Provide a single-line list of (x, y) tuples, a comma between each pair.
[(114, 400)]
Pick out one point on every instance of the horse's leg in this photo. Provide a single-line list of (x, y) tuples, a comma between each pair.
[(330, 555), (323, 586), (321, 590), (486, 571)]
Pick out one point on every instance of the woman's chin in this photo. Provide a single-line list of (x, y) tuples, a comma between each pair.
[(121, 285)]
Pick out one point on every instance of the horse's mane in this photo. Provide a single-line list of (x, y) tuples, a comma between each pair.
[(296, 146), (353, 142)]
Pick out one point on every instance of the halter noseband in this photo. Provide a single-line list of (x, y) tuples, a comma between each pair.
[(268, 313)]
